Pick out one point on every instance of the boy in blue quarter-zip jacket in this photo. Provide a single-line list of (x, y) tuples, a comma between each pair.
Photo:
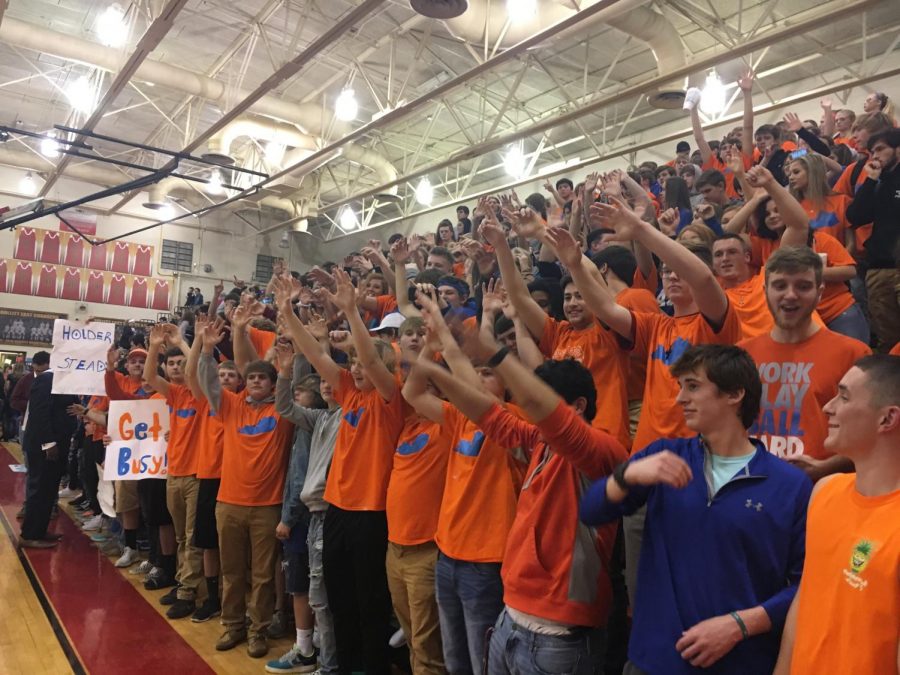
[(724, 536)]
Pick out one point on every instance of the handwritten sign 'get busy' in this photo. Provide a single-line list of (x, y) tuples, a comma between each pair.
[(78, 359), (138, 448)]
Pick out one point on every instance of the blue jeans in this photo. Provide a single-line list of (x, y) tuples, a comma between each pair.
[(852, 323), (318, 597), (515, 650), (469, 597)]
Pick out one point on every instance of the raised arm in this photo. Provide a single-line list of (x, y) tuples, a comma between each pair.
[(708, 295), (401, 255), (473, 403), (746, 85), (597, 298), (211, 335), (244, 351), (157, 338), (193, 358), (827, 117), (796, 232), (345, 299), (699, 136), (303, 340), (441, 338), (415, 390)]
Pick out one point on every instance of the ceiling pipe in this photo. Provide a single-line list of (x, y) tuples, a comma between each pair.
[(489, 20), (311, 118)]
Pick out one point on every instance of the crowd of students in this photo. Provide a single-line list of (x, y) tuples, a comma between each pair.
[(637, 427)]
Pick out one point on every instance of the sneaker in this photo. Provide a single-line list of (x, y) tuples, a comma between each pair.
[(230, 639), (398, 639), (92, 524), (206, 611), (143, 569), (181, 608), (82, 505), (113, 549), (257, 647), (279, 626), (129, 557), (293, 662), (65, 493), (158, 581), (171, 597)]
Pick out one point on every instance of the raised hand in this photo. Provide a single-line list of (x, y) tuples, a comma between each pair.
[(212, 333), (158, 335), (590, 183), (317, 326), (241, 317), (759, 176), (567, 249), (218, 289), (112, 357), (619, 217), (735, 162), (492, 296), (612, 183), (375, 244), (792, 120), (745, 82), (705, 210), (344, 296), (284, 356), (320, 275), (525, 222), (826, 104), (400, 251), (341, 340), (283, 290)]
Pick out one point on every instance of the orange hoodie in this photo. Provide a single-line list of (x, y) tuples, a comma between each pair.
[(555, 567)]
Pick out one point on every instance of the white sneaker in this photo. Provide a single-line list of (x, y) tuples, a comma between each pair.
[(691, 98), (143, 568), (129, 557), (92, 524), (398, 639), (68, 492)]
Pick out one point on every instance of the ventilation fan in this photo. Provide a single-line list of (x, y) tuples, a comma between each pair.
[(440, 9)]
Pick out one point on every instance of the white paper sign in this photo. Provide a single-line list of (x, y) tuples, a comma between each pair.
[(138, 448), (78, 359)]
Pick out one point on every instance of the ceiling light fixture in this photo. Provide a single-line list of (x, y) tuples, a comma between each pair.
[(521, 10), (348, 219), (425, 192), (274, 153), (346, 107), (214, 185), (49, 146), (712, 98), (285, 240), (514, 161), (111, 27), (81, 95), (27, 185)]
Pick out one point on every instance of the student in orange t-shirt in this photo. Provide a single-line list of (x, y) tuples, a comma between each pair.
[(845, 617), (186, 413), (800, 364), (555, 570), (703, 314), (355, 540), (209, 473), (481, 479), (580, 336), (256, 443), (827, 211)]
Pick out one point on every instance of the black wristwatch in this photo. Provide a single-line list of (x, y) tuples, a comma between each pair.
[(618, 475), (497, 358)]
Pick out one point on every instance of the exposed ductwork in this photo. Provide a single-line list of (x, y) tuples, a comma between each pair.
[(311, 118), (488, 21)]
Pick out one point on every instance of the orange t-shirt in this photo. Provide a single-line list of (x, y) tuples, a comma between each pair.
[(459, 270), (844, 187), (749, 301), (840, 140), (385, 305), (715, 163), (895, 351), (597, 349), (262, 340), (648, 283), (209, 450), (832, 218), (480, 493), (256, 446), (364, 449), (637, 300), (797, 381), (100, 404), (185, 426), (848, 612), (417, 482), (661, 340), (836, 297)]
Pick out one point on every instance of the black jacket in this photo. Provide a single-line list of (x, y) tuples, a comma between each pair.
[(48, 421), (878, 202)]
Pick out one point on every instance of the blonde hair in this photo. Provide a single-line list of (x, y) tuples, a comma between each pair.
[(816, 183), (706, 235)]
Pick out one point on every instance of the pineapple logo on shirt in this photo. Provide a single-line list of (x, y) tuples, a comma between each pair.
[(859, 560), (783, 387)]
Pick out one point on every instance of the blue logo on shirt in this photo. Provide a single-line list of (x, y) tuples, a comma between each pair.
[(264, 426), (670, 356), (352, 417), (185, 413), (823, 219), (415, 445), (470, 448)]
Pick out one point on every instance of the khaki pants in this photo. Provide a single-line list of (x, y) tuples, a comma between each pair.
[(126, 496), (410, 573), (247, 535), (883, 288), (181, 499)]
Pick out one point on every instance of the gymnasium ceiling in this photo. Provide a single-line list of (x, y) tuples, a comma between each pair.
[(435, 99)]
